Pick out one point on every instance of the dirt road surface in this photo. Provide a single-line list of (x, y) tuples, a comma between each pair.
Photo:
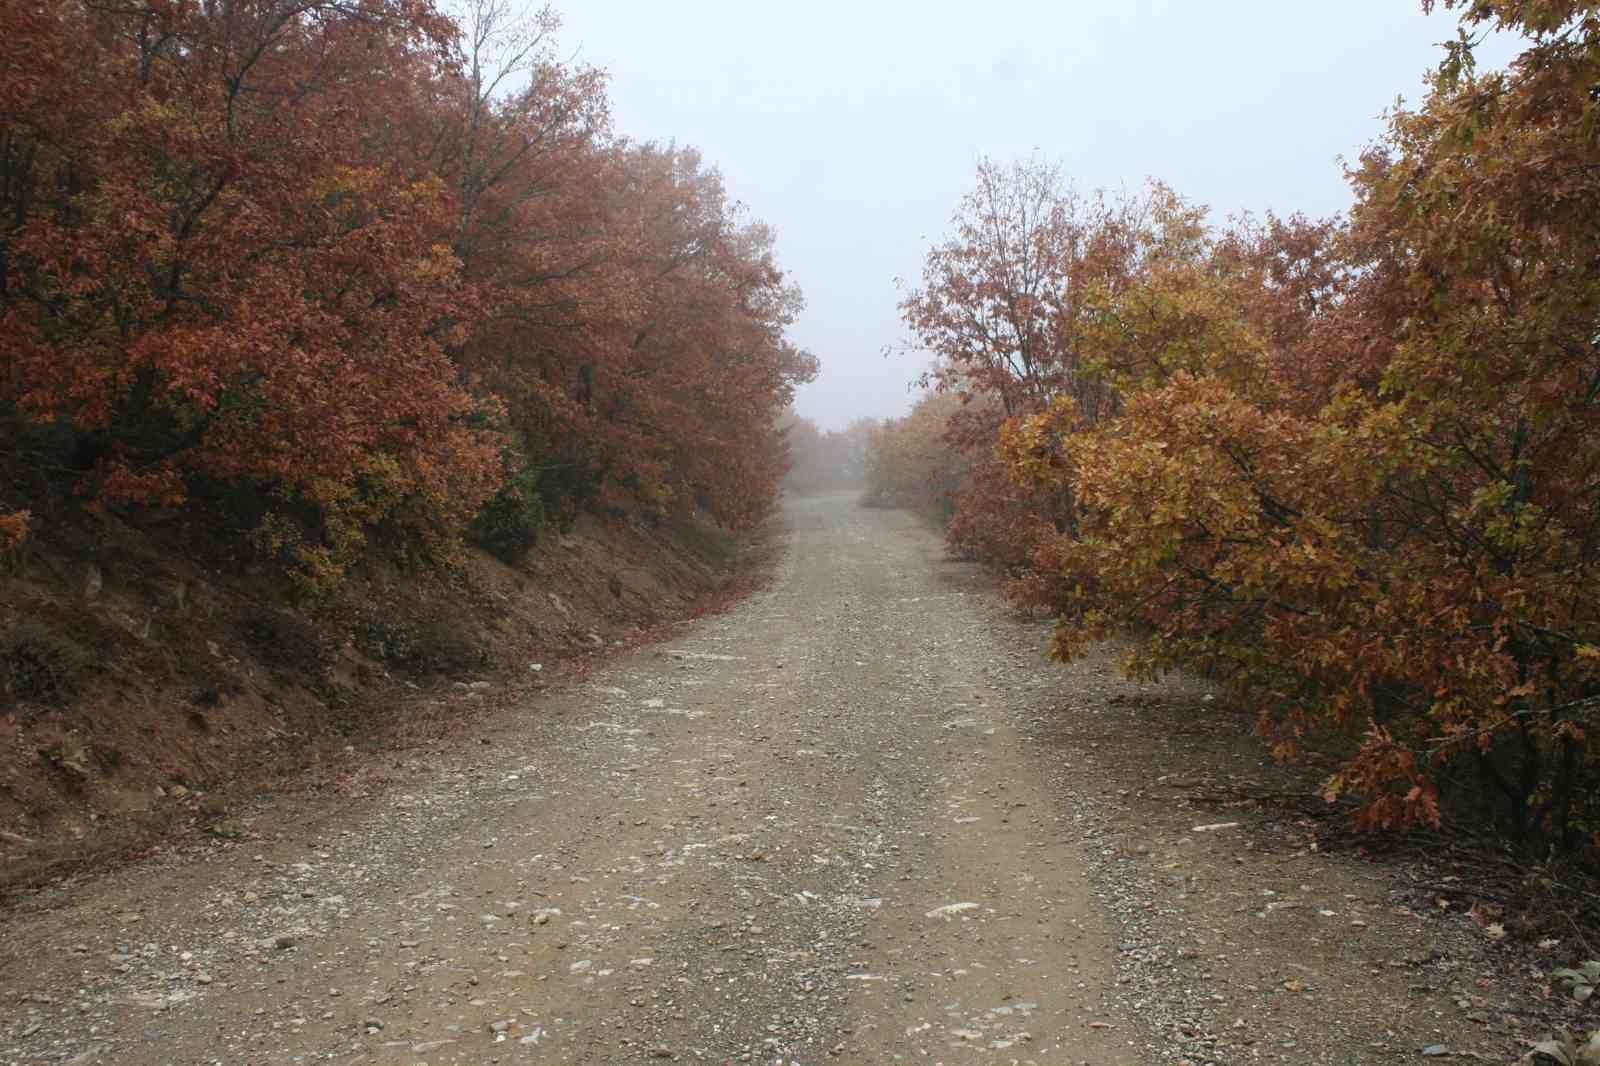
[(855, 819)]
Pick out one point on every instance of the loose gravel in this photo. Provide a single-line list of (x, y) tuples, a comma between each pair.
[(855, 819)]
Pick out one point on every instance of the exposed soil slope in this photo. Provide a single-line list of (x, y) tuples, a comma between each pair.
[(150, 684)]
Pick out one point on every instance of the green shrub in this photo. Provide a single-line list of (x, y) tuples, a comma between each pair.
[(510, 523)]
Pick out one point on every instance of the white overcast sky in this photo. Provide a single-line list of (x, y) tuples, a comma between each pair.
[(855, 127)]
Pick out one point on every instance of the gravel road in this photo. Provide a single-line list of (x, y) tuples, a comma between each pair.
[(826, 826)]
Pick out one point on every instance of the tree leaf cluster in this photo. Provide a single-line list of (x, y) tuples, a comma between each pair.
[(378, 270), (1349, 469)]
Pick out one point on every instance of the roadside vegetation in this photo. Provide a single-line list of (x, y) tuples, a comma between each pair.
[(1347, 468), (307, 309), (315, 272)]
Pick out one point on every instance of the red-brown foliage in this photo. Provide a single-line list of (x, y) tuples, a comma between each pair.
[(1348, 469), (318, 262)]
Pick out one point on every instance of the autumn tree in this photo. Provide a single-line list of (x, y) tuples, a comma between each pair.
[(1002, 301), (209, 278), (330, 266), (1352, 468), (1010, 306)]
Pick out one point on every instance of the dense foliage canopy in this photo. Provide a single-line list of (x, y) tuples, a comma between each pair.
[(329, 266), (1350, 469)]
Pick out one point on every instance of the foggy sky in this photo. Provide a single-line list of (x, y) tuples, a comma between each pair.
[(855, 127)]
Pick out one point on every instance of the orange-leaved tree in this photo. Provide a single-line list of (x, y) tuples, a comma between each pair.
[(209, 275), (1007, 305), (1353, 469), (325, 266)]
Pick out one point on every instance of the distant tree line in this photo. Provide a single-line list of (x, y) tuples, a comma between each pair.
[(825, 460)]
